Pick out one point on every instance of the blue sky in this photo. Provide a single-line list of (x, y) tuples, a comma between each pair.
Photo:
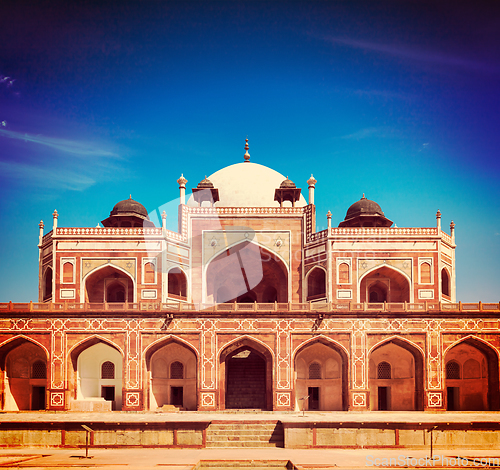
[(398, 100)]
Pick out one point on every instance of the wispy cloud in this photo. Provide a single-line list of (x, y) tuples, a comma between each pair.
[(413, 53), (46, 177), (73, 147), (366, 133)]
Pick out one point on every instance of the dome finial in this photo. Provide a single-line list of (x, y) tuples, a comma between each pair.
[(363, 196), (247, 155), (130, 196)]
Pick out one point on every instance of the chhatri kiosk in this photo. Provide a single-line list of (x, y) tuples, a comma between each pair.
[(247, 306)]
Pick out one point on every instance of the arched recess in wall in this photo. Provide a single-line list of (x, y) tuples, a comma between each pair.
[(404, 389), (87, 361), (445, 283), (246, 375), (171, 374), (247, 272), (177, 284), (321, 370), (316, 283), (109, 283), (23, 374), (476, 385), (47, 284), (384, 284)]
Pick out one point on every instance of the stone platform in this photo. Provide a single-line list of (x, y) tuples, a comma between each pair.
[(314, 430)]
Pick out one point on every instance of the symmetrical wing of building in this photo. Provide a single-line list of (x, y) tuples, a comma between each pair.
[(247, 306)]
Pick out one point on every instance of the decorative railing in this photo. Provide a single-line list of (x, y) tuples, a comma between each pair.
[(413, 231), (173, 306), (109, 231)]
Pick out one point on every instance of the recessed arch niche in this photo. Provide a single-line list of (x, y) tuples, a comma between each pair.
[(247, 272)]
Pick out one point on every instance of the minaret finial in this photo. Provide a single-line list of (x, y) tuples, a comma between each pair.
[(247, 155)]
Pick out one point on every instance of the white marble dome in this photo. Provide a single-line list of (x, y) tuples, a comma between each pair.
[(248, 184)]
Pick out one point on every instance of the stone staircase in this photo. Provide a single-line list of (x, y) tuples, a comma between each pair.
[(245, 434)]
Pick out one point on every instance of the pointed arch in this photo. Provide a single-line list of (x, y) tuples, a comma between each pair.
[(163, 387), (177, 283), (316, 283), (470, 399), (411, 372), (160, 343), (80, 346), (445, 283), (96, 292), (47, 281), (8, 345), (390, 284), (245, 267), (259, 357), (332, 389)]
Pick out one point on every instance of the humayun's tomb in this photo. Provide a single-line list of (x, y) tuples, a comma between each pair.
[(247, 306)]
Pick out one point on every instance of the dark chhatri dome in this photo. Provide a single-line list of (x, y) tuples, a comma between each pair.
[(205, 184), (128, 213), (129, 206), (365, 213), (364, 207), (287, 184)]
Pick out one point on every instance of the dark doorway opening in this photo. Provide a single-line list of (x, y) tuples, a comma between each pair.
[(177, 398), (38, 398), (383, 398), (452, 398), (313, 402), (108, 393), (246, 381)]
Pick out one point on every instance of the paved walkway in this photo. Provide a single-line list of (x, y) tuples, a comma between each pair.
[(184, 459), (289, 417)]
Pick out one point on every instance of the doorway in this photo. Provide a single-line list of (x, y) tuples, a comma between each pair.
[(313, 402), (452, 398), (177, 398), (383, 398), (246, 381), (38, 398)]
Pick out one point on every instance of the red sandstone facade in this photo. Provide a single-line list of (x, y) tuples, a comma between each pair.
[(247, 306)]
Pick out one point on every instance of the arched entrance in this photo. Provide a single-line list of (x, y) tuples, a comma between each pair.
[(109, 284), (246, 376), (316, 284), (396, 377), (321, 376), (97, 373), (23, 376), (384, 285), (247, 273), (172, 367), (471, 377)]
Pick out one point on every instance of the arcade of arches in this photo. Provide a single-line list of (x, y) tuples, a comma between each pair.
[(247, 273), (247, 375)]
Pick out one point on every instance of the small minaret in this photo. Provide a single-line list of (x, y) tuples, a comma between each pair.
[(329, 217), (182, 189), (164, 220), (438, 221), (311, 182), (40, 236), (452, 232), (55, 216), (247, 155)]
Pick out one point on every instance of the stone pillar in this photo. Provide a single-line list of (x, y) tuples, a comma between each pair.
[(55, 216), (164, 220), (329, 217), (182, 189), (311, 182), (40, 236), (452, 232), (438, 221)]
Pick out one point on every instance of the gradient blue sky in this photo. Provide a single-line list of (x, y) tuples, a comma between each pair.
[(398, 100)]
